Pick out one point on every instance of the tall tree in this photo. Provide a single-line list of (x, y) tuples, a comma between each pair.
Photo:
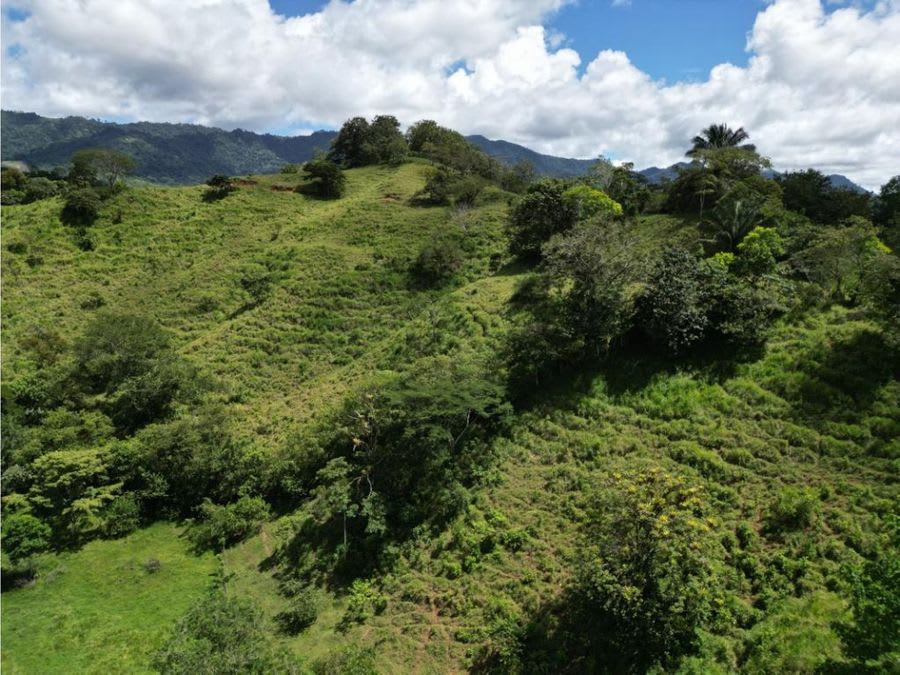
[(720, 136)]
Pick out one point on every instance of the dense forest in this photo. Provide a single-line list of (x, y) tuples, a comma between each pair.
[(404, 407)]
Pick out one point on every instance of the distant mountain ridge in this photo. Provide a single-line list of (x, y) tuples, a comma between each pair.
[(189, 153)]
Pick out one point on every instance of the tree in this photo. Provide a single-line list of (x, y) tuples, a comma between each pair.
[(220, 186), (437, 262), (126, 362), (351, 146), (674, 307), (837, 258), (720, 136), (887, 211), (538, 215), (732, 220), (629, 189), (649, 573), (325, 177), (386, 143), (24, 535), (99, 164), (81, 208), (587, 202), (593, 267)]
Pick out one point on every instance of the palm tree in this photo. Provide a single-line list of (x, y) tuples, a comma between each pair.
[(720, 136), (731, 221)]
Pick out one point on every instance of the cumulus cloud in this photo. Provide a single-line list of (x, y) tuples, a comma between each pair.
[(821, 88)]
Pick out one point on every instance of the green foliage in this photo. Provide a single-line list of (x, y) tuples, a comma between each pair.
[(326, 180), (100, 165), (537, 216), (219, 187), (674, 306), (221, 635), (365, 601), (126, 362), (794, 508), (871, 638), (24, 535), (446, 186), (122, 516), (81, 208), (759, 251), (301, 613), (650, 569), (360, 143), (222, 526), (732, 220), (629, 189), (587, 202), (811, 193), (347, 661), (594, 267), (437, 262), (837, 258)]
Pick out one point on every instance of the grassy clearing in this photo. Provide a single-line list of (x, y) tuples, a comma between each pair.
[(98, 610)]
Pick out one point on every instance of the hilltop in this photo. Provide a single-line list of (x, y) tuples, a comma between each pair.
[(178, 154)]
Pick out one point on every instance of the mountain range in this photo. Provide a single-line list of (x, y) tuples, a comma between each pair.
[(179, 154)]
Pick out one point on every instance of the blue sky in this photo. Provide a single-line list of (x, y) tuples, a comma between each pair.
[(671, 40), (629, 79)]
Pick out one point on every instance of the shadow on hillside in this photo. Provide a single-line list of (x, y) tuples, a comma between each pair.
[(843, 383)]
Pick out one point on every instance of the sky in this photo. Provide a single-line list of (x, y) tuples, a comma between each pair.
[(814, 82)]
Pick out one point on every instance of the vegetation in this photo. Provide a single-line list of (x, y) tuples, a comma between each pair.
[(454, 419)]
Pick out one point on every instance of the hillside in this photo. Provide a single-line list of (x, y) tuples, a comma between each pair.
[(792, 446), (180, 154)]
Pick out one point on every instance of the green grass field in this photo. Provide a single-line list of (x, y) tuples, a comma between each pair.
[(98, 610)]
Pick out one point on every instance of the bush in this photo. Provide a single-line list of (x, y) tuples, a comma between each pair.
[(437, 262), (588, 202), (223, 635), (301, 613), (538, 215), (24, 535), (222, 526), (326, 180), (793, 509), (347, 661), (81, 208), (365, 601), (219, 187), (122, 516)]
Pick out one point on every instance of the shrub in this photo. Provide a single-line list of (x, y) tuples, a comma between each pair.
[(538, 215), (222, 526), (301, 613), (326, 180), (81, 208), (365, 601), (122, 516), (437, 262), (152, 566), (24, 535), (224, 635), (219, 187), (347, 661), (793, 509)]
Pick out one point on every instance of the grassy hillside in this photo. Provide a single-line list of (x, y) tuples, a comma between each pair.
[(812, 418)]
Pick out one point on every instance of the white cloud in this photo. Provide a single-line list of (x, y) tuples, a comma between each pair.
[(821, 89)]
